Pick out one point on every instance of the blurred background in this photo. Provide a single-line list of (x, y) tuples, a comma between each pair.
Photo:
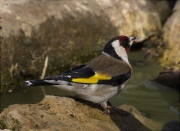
[(71, 32)]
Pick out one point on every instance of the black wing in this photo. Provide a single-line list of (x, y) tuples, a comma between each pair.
[(76, 72)]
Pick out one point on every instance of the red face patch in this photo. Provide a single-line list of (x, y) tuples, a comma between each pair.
[(127, 49), (124, 42), (123, 38)]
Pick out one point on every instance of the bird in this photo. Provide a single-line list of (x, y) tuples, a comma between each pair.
[(99, 79)]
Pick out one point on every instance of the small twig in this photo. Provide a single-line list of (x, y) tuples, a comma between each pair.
[(43, 73), (45, 68)]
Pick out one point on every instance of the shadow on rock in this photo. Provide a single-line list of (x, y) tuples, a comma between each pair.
[(123, 119)]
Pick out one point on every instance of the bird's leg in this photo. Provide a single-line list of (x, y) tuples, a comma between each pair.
[(110, 110), (106, 108)]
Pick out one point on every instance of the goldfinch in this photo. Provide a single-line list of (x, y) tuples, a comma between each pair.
[(99, 79)]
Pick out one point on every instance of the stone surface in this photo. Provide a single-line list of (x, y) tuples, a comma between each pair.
[(170, 78), (62, 113), (171, 33), (161, 6), (171, 126), (6, 130), (68, 32)]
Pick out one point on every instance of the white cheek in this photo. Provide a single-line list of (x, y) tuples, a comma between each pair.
[(120, 51)]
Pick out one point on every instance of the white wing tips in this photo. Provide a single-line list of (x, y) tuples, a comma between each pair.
[(40, 82), (28, 83)]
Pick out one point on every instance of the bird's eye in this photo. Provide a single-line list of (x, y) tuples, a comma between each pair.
[(123, 43)]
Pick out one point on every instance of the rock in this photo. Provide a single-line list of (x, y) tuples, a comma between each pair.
[(161, 6), (5, 130), (170, 59), (170, 78), (171, 126), (62, 113), (171, 33), (68, 32)]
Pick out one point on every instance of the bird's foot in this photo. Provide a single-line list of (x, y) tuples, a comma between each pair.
[(114, 110)]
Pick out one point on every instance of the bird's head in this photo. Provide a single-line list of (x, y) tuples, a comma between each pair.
[(119, 46), (126, 42)]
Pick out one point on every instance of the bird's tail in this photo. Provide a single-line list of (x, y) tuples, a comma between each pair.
[(40, 82)]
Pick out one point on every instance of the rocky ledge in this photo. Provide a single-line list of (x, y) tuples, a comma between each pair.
[(64, 113)]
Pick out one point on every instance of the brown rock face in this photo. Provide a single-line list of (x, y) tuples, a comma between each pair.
[(170, 79), (62, 113), (171, 33)]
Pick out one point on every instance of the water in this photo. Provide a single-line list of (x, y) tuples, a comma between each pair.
[(153, 100)]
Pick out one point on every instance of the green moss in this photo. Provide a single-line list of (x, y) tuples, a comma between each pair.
[(14, 124), (2, 124)]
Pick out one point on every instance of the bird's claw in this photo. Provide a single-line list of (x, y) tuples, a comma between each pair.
[(114, 110)]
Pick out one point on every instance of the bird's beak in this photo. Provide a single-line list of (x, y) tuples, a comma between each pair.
[(132, 40)]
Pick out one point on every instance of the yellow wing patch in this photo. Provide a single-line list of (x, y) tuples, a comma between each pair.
[(92, 80), (85, 80)]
